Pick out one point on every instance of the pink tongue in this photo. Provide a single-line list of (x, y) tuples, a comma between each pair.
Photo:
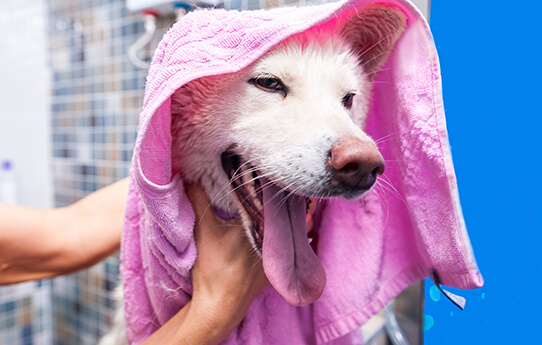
[(289, 262)]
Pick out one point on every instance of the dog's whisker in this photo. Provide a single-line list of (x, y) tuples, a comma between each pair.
[(389, 187), (386, 189), (288, 194), (383, 69), (274, 196), (384, 203), (256, 191), (374, 191), (384, 180), (219, 196), (389, 136), (252, 168), (363, 52), (239, 169), (367, 75), (247, 172)]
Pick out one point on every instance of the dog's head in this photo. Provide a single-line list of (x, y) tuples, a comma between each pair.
[(288, 127)]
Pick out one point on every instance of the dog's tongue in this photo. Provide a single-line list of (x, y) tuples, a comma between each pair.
[(289, 262)]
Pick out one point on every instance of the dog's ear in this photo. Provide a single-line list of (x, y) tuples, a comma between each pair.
[(373, 32)]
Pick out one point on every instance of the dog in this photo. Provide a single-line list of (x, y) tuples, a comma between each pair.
[(287, 128)]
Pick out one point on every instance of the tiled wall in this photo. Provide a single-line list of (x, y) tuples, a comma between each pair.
[(96, 98), (25, 314), (96, 95)]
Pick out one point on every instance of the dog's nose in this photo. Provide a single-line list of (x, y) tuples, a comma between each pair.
[(354, 163)]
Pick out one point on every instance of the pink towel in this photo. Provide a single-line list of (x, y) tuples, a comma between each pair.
[(370, 250)]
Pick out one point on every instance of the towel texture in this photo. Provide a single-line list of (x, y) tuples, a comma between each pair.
[(371, 249)]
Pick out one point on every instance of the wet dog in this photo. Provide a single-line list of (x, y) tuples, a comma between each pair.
[(287, 128)]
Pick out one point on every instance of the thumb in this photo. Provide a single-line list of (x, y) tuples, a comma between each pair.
[(200, 202), (208, 225)]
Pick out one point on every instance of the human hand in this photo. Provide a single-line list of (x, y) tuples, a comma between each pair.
[(226, 278), (228, 273)]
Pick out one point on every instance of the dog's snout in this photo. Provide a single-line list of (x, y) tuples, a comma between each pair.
[(355, 164)]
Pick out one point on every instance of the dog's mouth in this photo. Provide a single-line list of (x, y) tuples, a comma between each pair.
[(278, 231), (246, 184)]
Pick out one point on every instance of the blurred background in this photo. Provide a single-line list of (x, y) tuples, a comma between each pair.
[(69, 105)]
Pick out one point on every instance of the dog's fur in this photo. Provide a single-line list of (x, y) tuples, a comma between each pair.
[(285, 133)]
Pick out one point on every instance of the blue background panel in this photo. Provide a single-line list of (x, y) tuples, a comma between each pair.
[(492, 80)]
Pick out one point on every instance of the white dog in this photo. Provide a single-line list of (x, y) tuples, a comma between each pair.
[(290, 123)]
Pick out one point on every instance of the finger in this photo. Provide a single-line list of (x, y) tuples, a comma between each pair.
[(210, 231), (199, 200), (205, 225), (203, 209)]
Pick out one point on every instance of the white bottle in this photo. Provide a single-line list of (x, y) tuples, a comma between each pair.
[(8, 184)]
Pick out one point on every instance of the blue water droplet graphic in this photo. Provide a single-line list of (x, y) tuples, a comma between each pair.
[(434, 293), (428, 322)]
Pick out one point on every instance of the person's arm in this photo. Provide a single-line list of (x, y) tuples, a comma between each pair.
[(36, 244), (226, 278)]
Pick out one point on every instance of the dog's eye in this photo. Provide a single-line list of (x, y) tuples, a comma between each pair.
[(269, 83), (348, 99)]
